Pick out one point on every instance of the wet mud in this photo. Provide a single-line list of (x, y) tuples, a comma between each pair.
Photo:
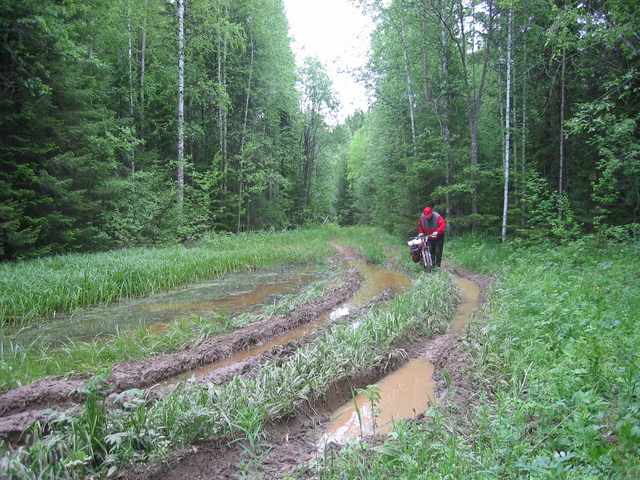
[(404, 393), (300, 440), (235, 294), (22, 407), (296, 438)]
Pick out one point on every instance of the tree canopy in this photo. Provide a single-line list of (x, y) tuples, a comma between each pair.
[(471, 99), (438, 132)]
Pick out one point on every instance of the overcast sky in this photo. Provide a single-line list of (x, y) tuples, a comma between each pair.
[(338, 34)]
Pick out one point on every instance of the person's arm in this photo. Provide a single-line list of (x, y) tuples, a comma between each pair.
[(420, 229), (442, 226)]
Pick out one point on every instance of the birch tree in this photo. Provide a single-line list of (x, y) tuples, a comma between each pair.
[(180, 160), (468, 41), (507, 126), (318, 100)]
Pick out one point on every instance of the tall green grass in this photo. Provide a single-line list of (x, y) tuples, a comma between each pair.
[(21, 364), (64, 283), (43, 287), (144, 430), (556, 365)]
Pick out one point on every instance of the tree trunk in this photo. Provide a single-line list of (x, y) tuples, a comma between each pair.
[(222, 102), (441, 104), (131, 154), (523, 150), (507, 127), (130, 60), (143, 52), (309, 148), (445, 123), (244, 136), (473, 99), (562, 114), (407, 67), (180, 109)]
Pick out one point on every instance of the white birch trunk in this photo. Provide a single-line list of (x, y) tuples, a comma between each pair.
[(523, 150), (131, 153), (473, 96), (507, 127), (222, 102), (130, 60), (143, 52), (243, 140), (407, 67), (180, 108), (562, 113)]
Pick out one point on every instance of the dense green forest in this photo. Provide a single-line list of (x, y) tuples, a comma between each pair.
[(130, 122)]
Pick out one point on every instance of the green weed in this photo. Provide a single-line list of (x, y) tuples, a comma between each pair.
[(253, 444), (66, 283), (373, 395), (20, 364)]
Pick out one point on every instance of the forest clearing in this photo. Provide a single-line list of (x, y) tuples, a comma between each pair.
[(131, 416)]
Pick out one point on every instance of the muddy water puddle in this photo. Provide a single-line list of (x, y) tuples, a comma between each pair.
[(470, 298), (403, 394), (235, 294), (376, 281), (251, 352)]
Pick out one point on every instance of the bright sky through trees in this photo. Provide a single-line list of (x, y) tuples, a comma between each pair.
[(337, 33)]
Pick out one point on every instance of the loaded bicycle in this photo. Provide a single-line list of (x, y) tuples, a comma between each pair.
[(421, 251)]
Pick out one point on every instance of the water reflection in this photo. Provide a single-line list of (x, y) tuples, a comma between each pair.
[(470, 295), (376, 281), (405, 393), (236, 293)]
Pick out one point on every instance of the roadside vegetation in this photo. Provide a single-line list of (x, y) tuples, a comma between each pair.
[(104, 441), (66, 283), (556, 367)]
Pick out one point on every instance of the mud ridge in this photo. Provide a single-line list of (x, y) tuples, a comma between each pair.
[(295, 439), (22, 407)]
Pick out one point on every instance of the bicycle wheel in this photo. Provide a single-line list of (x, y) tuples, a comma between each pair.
[(427, 263)]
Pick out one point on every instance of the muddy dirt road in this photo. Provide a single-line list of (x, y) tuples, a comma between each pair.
[(294, 440)]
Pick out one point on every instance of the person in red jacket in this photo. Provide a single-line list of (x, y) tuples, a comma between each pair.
[(433, 225)]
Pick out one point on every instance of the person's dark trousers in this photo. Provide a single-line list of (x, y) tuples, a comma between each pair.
[(435, 245)]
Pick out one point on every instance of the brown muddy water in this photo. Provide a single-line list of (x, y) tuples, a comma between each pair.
[(376, 281), (403, 394), (235, 294)]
